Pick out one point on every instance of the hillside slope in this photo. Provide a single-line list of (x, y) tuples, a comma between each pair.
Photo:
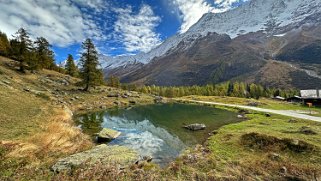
[(36, 123)]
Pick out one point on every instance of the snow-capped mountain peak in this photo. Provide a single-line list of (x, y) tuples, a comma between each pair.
[(270, 16)]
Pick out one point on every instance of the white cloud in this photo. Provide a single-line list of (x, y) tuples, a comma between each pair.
[(191, 11), (226, 4), (60, 21), (94, 4), (137, 31)]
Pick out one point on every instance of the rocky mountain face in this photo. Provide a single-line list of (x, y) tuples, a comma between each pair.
[(275, 43)]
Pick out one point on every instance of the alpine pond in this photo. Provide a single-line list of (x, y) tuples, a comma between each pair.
[(157, 130)]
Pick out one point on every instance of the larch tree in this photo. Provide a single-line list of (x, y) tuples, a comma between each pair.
[(71, 68), (4, 44), (90, 72), (113, 81)]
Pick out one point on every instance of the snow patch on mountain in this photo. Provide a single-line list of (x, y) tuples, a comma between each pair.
[(255, 15)]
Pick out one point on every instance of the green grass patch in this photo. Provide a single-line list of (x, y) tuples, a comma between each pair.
[(259, 137), (262, 103)]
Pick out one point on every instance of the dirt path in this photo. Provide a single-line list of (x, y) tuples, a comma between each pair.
[(280, 112)]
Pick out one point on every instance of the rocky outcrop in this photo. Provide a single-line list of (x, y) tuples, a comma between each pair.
[(106, 135), (102, 154)]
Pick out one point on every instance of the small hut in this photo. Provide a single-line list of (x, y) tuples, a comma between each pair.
[(294, 99), (311, 96)]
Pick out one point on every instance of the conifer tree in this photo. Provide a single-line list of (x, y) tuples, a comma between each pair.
[(4, 44), (90, 72), (71, 68), (44, 54), (21, 46)]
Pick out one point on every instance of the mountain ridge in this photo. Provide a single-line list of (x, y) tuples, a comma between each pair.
[(282, 30)]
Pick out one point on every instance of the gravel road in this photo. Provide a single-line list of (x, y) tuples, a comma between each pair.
[(271, 111)]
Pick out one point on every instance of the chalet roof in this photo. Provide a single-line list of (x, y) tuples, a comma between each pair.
[(313, 93)]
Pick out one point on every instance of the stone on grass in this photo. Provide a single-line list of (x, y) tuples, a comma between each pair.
[(307, 130), (274, 156), (132, 102), (102, 154), (113, 95), (253, 104), (195, 127), (103, 107), (292, 121), (106, 135), (148, 158)]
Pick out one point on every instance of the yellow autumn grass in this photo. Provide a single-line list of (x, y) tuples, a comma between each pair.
[(58, 137)]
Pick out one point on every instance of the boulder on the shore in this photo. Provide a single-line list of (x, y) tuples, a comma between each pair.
[(195, 127), (158, 99), (107, 134), (102, 154), (148, 158)]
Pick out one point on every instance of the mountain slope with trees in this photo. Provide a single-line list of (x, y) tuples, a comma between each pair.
[(243, 44)]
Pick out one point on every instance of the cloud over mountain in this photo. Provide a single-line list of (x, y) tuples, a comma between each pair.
[(137, 31), (191, 11)]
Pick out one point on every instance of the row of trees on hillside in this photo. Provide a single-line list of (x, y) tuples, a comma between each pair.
[(36, 55), (33, 55), (236, 89)]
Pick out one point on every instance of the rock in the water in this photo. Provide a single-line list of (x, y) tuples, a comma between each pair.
[(240, 116), (103, 154), (195, 127), (107, 135)]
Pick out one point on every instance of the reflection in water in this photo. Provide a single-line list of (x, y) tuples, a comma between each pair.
[(92, 123), (156, 130), (145, 138)]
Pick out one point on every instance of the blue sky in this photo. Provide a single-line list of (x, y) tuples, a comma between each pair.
[(118, 27)]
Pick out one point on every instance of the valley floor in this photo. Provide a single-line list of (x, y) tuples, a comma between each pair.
[(36, 129)]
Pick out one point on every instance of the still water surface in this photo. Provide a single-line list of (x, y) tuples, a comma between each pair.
[(157, 130)]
